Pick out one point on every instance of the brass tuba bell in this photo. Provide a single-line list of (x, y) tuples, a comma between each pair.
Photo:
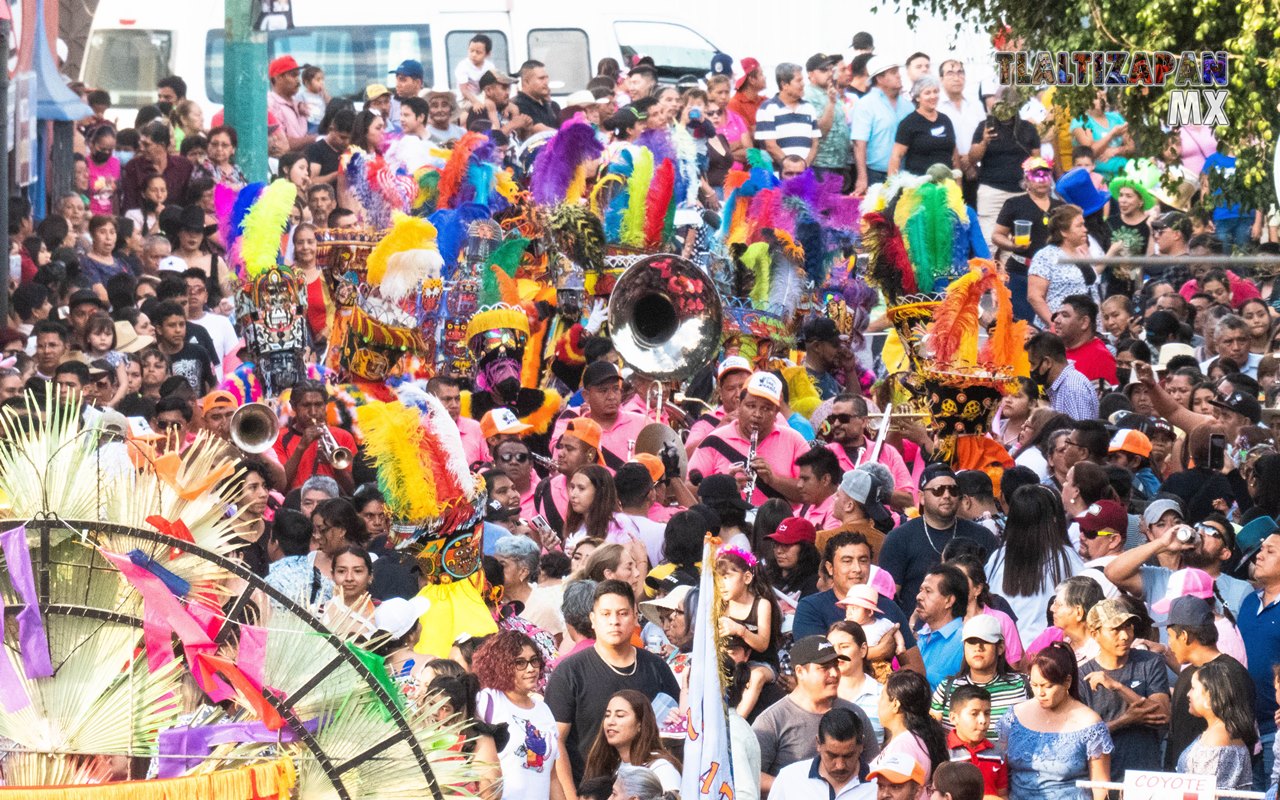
[(254, 427), (665, 315)]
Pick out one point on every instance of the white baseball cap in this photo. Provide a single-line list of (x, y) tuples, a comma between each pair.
[(171, 264), (984, 627), (766, 385), (397, 615), (732, 364)]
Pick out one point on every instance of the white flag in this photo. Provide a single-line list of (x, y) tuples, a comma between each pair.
[(708, 772)]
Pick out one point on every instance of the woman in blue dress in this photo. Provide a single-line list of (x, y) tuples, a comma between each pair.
[(1053, 740)]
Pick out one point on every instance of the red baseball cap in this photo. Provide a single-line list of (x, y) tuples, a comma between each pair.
[(282, 65), (749, 65), (794, 530), (218, 119)]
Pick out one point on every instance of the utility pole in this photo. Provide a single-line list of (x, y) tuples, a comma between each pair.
[(245, 86)]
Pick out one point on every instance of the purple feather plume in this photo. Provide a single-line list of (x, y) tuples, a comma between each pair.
[(555, 165), (659, 143), (803, 186)]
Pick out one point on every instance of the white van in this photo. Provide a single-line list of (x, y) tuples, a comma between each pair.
[(135, 43)]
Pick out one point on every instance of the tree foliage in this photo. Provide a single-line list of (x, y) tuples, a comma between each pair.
[(1247, 30)]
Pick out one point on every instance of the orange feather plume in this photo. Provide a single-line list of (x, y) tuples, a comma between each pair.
[(955, 322), (1005, 345)]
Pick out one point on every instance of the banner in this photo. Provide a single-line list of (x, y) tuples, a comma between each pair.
[(1142, 785), (708, 771)]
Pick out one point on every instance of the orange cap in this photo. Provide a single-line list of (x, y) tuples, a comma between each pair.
[(651, 463), (588, 432), (218, 398), (502, 420)]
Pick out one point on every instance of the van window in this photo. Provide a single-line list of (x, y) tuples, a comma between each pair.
[(564, 51), (455, 51), (676, 50), (352, 57), (128, 64)]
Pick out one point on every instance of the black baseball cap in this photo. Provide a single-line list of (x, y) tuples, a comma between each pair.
[(814, 650), (1176, 220), (820, 329), (493, 76), (82, 296), (599, 372), (1191, 612), (821, 61), (935, 470), (1242, 404)]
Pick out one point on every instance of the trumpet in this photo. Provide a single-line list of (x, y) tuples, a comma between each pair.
[(338, 456), (254, 427)]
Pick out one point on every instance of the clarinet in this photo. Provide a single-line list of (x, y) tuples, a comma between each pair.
[(750, 489)]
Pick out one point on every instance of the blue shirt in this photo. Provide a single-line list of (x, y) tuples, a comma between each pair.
[(492, 533), (942, 651), (875, 121), (1260, 629), (1226, 165), (816, 612)]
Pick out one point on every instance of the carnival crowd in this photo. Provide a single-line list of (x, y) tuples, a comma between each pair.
[(896, 628)]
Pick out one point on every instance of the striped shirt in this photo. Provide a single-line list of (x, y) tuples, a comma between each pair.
[(792, 128), (1006, 692)]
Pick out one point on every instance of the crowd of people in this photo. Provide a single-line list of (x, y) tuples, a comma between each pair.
[(894, 627)]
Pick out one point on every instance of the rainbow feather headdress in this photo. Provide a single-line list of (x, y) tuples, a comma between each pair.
[(917, 234), (636, 200), (471, 174)]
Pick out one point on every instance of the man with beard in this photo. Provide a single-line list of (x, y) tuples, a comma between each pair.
[(848, 421), (496, 339), (602, 396), (1209, 549)]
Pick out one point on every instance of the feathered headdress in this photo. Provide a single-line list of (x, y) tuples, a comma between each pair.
[(380, 189), (405, 259), (561, 166), (578, 234), (934, 224), (263, 225), (890, 270)]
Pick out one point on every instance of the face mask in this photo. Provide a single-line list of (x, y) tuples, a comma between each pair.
[(1122, 375), (124, 156), (1041, 378), (99, 157)]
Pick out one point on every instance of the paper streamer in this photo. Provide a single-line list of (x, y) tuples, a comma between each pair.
[(182, 749), (162, 615), (33, 642)]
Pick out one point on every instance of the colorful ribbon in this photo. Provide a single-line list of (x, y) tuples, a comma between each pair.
[(182, 749), (33, 642)]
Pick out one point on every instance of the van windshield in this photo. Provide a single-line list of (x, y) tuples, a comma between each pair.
[(128, 64), (675, 49), (352, 57)]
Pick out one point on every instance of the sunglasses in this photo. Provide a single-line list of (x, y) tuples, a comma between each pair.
[(514, 458), (1095, 534), (939, 491), (1211, 531), (840, 419)]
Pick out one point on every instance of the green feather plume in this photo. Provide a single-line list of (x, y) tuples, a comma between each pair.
[(264, 225), (929, 232), (756, 258), (759, 158), (632, 231), (506, 258)]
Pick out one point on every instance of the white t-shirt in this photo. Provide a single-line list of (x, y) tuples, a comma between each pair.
[(223, 334), (533, 744), (651, 534), (470, 75), (1030, 609), (667, 774)]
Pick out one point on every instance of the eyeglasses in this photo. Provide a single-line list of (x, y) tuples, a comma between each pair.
[(1074, 444), (514, 458), (939, 491), (714, 112), (522, 664)]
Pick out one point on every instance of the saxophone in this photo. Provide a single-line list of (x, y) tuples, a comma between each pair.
[(750, 489)]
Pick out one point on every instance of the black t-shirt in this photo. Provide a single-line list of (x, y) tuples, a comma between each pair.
[(1010, 145), (1136, 746), (928, 143), (199, 335), (579, 690), (1142, 231), (1184, 726), (319, 152), (192, 364), (1023, 207), (548, 114), (908, 555)]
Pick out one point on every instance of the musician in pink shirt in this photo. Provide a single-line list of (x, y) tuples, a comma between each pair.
[(602, 393), (449, 392), (819, 474), (731, 376), (724, 451), (848, 419), (578, 447)]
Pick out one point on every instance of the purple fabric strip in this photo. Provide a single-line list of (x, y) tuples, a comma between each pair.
[(33, 643), (184, 748)]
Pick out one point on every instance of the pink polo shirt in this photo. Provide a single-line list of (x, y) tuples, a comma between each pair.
[(889, 456), (636, 405), (616, 438), (820, 515), (527, 509), (474, 446), (559, 496), (287, 114), (780, 449), (699, 430)]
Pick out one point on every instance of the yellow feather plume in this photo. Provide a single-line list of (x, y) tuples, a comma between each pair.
[(600, 184), (393, 438), (407, 233), (578, 186), (955, 200), (264, 225)]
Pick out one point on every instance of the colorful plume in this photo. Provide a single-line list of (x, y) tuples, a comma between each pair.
[(631, 232), (264, 225), (559, 170)]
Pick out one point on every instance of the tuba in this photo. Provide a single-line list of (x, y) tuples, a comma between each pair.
[(665, 316), (254, 427)]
